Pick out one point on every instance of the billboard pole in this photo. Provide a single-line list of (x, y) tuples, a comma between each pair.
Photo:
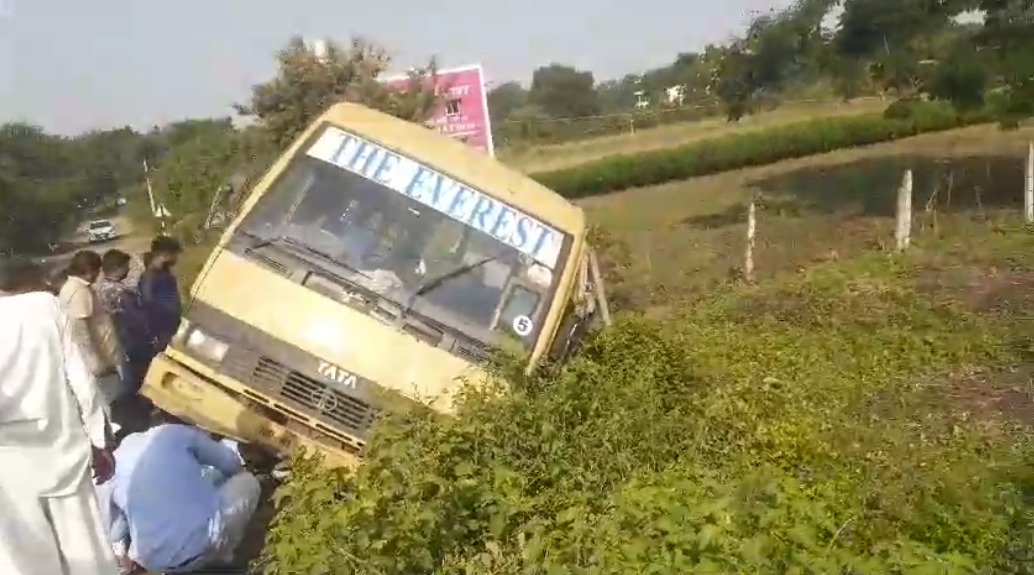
[(488, 117)]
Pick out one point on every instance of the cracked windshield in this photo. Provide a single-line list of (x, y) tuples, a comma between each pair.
[(404, 250)]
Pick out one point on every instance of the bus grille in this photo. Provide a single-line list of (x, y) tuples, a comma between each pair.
[(333, 407)]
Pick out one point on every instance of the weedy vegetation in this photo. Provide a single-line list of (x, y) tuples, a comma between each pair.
[(866, 412), (862, 417), (856, 411)]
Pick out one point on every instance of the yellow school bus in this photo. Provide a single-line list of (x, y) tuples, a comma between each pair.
[(377, 261)]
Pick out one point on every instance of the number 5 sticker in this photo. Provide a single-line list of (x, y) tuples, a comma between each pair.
[(522, 325)]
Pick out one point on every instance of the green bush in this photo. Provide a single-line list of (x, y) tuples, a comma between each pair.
[(774, 429), (191, 261), (902, 109), (541, 131), (737, 151)]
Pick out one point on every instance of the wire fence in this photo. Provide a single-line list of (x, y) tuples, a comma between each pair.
[(922, 195), (539, 131)]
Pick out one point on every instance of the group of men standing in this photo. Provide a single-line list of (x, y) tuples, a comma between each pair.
[(121, 322), (74, 349)]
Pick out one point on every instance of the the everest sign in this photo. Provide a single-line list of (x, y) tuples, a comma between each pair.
[(439, 192)]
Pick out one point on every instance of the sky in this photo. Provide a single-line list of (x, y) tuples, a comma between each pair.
[(75, 65)]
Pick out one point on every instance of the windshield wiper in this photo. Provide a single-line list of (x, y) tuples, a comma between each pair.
[(262, 242), (435, 282), (282, 239)]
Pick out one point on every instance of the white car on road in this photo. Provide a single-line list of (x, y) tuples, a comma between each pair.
[(101, 231)]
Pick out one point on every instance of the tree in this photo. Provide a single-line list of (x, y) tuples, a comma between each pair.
[(689, 69), (564, 92), (779, 47), (961, 77), (614, 96), (901, 42), (191, 172), (38, 185), (107, 163), (1007, 37), (307, 84), (504, 99)]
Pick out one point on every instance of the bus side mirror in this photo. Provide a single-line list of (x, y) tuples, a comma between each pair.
[(589, 309), (569, 335), (596, 291)]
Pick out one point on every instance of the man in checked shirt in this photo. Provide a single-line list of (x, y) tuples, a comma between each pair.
[(132, 325)]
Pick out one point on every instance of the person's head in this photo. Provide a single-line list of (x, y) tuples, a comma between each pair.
[(131, 414), (165, 251), (55, 278), (115, 265), (86, 265), (20, 275)]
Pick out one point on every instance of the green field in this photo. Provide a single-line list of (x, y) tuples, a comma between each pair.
[(680, 239), (556, 156), (854, 411), (870, 415)]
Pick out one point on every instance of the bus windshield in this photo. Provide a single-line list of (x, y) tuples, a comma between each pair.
[(475, 275)]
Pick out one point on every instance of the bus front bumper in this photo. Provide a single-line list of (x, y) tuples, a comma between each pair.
[(195, 393)]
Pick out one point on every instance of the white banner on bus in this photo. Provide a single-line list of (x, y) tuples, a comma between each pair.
[(440, 192)]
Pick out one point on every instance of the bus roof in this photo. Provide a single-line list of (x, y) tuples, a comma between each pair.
[(460, 161)]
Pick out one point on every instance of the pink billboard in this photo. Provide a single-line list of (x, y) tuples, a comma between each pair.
[(463, 113)]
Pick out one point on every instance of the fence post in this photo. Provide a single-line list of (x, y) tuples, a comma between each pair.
[(903, 231), (748, 256), (1028, 189)]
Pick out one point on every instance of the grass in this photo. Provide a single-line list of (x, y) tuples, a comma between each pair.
[(870, 415), (678, 241), (854, 409), (555, 156)]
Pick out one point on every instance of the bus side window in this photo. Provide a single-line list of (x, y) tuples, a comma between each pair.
[(520, 302), (577, 312)]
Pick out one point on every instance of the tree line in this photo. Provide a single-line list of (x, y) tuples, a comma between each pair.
[(963, 51), (904, 49)]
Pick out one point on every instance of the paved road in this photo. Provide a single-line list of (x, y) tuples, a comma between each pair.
[(127, 241)]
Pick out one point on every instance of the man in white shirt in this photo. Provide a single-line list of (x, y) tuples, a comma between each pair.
[(52, 432), (91, 327)]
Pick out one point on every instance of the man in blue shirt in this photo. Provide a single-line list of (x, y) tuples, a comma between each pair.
[(176, 515), (159, 290)]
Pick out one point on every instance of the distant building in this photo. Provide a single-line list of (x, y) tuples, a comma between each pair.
[(320, 48), (675, 95)]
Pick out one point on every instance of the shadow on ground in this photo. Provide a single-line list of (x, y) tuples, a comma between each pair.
[(868, 188), (255, 537)]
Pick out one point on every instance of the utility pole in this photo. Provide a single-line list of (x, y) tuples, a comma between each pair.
[(157, 210), (150, 190)]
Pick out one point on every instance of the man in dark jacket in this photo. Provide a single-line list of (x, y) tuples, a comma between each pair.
[(159, 290)]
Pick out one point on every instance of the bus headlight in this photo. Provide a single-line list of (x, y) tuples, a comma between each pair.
[(206, 346)]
